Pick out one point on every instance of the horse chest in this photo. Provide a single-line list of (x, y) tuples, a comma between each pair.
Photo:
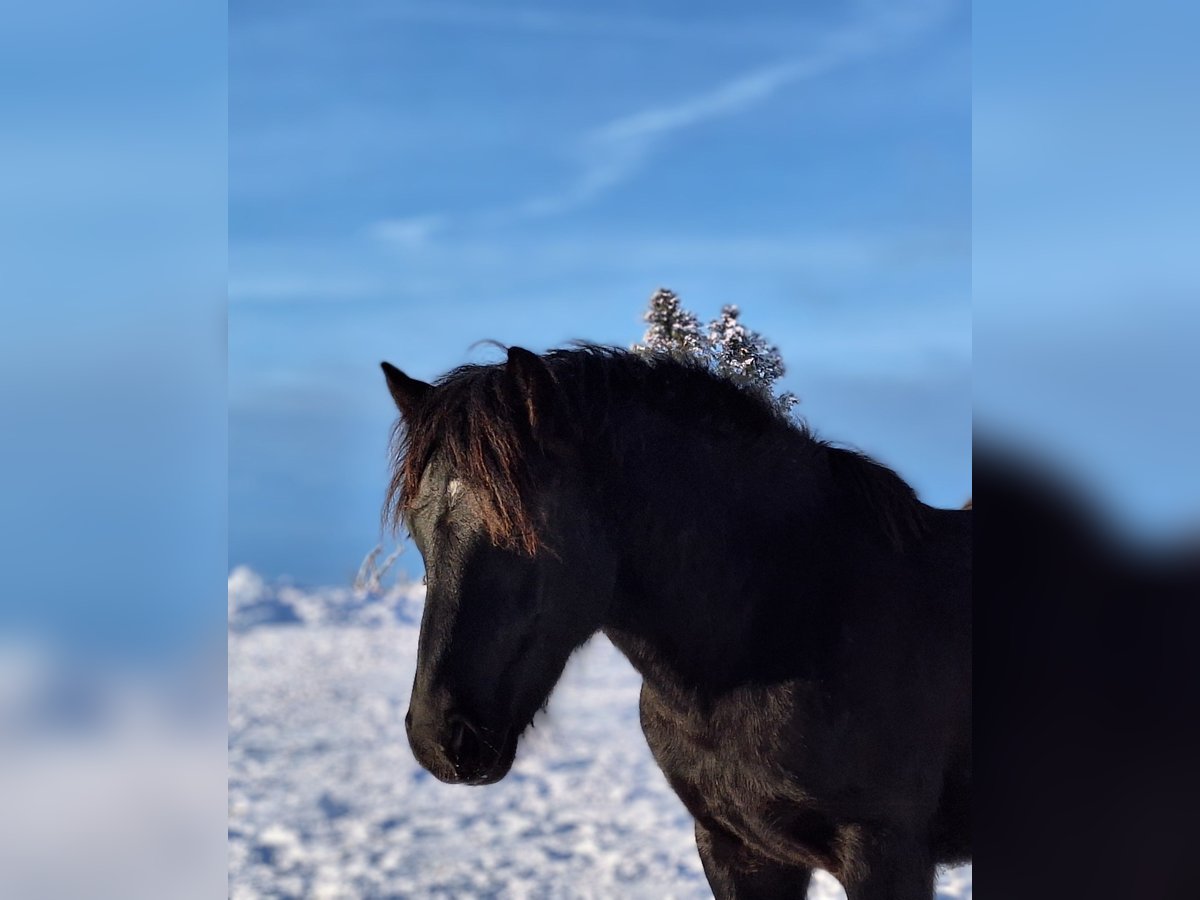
[(727, 769)]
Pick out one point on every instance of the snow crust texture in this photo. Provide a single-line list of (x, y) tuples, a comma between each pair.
[(326, 800)]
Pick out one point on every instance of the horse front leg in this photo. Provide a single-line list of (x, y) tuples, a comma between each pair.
[(893, 870), (735, 873)]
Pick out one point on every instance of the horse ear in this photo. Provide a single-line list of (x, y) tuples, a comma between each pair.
[(533, 381), (407, 392)]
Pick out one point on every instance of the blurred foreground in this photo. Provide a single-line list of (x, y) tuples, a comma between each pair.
[(113, 781)]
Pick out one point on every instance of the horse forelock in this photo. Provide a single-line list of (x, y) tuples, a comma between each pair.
[(476, 425)]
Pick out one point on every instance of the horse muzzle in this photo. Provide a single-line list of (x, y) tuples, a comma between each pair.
[(456, 750)]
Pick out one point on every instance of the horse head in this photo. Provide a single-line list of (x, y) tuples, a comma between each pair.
[(518, 566)]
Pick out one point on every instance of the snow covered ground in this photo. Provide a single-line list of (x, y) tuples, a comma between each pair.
[(326, 800)]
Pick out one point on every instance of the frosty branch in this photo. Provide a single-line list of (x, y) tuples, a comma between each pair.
[(727, 347)]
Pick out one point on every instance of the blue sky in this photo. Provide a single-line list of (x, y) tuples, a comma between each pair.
[(409, 178)]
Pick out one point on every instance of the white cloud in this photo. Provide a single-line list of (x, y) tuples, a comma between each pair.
[(614, 152), (411, 232)]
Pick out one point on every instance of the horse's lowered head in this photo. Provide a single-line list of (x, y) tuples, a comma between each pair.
[(518, 562)]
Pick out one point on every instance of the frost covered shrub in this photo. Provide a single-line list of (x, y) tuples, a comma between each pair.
[(728, 347), (673, 330)]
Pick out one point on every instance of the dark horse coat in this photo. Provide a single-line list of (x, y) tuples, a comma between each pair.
[(802, 622)]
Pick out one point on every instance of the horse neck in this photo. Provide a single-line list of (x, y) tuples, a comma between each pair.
[(724, 565)]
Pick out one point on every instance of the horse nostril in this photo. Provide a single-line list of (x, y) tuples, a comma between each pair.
[(464, 744), (408, 721), (458, 735)]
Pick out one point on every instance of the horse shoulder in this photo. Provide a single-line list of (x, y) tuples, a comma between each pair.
[(734, 766)]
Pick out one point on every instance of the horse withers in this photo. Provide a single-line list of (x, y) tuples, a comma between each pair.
[(801, 621)]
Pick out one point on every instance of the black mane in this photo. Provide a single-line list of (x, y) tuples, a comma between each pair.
[(482, 426)]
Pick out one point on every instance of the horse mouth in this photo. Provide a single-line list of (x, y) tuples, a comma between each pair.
[(496, 773), (471, 756), (494, 761)]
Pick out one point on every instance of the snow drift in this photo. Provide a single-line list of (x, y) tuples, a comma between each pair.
[(326, 800)]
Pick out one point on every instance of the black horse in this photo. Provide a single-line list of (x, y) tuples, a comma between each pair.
[(802, 622)]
